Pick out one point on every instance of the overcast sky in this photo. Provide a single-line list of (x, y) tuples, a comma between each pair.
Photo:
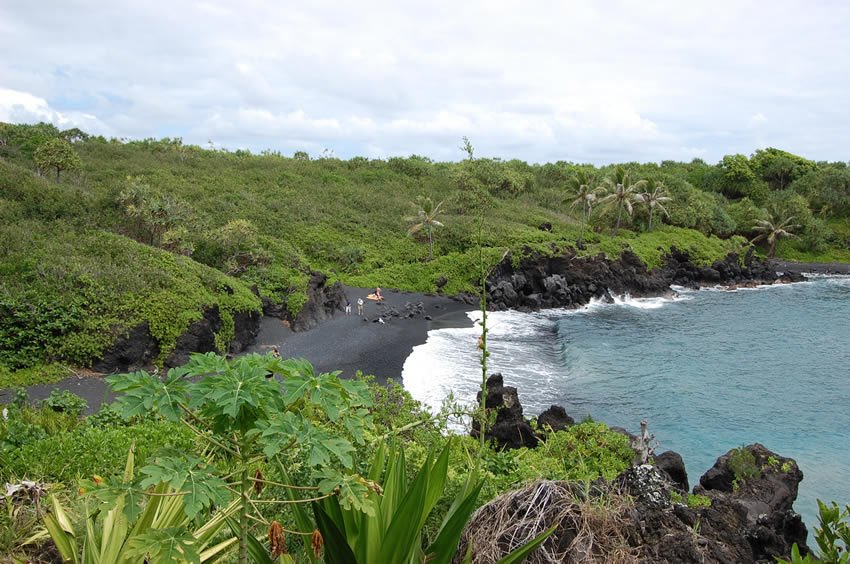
[(595, 81)]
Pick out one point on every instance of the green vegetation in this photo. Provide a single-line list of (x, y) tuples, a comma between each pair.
[(261, 450), (743, 464), (56, 154), (694, 501), (426, 219), (156, 232), (832, 536)]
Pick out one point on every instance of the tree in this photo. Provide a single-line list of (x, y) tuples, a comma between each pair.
[(771, 232), (621, 193), (240, 246), (583, 195), (57, 154), (654, 197), (426, 218), (779, 168), (153, 215), (74, 135)]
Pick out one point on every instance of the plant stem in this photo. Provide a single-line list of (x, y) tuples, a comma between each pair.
[(482, 418), (243, 517)]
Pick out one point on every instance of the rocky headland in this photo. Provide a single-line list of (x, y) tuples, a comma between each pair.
[(746, 516), (540, 282)]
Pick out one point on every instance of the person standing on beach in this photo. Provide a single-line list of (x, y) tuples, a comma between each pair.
[(347, 308), (360, 307)]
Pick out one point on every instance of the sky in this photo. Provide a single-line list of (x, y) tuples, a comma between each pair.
[(585, 81)]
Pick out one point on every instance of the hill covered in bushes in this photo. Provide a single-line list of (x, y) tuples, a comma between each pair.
[(99, 236)]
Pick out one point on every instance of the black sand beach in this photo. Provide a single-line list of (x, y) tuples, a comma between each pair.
[(350, 343), (346, 343), (841, 268)]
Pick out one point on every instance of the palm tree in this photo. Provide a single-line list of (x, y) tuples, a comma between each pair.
[(426, 218), (583, 196), (621, 193), (772, 232), (654, 197)]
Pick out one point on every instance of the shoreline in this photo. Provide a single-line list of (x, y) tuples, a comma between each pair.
[(350, 344), (834, 268)]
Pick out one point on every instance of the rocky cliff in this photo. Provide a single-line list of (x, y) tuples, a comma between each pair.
[(539, 281)]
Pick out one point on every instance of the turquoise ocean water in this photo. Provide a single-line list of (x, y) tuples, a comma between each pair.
[(711, 370)]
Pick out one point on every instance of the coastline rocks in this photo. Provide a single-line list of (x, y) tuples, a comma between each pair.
[(671, 464), (570, 281), (555, 418), (511, 429), (200, 336), (762, 486), (636, 520)]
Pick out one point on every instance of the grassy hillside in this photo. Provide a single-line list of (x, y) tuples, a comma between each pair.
[(155, 231)]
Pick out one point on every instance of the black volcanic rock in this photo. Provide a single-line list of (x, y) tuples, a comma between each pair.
[(133, 350), (541, 281), (765, 498), (641, 523), (671, 463), (511, 429), (555, 418)]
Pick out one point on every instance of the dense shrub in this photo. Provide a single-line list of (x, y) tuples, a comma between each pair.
[(85, 451)]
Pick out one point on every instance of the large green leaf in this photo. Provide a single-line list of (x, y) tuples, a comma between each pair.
[(520, 553), (436, 482), (141, 393), (164, 545), (337, 550), (61, 531), (403, 532), (187, 474), (443, 549)]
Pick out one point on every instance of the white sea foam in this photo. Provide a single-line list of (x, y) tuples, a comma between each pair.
[(523, 345)]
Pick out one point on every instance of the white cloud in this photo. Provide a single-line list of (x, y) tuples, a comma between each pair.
[(583, 80), (757, 119), (22, 107)]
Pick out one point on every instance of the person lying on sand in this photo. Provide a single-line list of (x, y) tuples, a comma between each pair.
[(375, 296)]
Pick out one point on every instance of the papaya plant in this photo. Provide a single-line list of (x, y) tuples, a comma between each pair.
[(250, 411)]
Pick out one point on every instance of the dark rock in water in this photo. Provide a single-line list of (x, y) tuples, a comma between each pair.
[(134, 350), (774, 484), (428, 318), (555, 418), (790, 277), (673, 466), (511, 429)]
